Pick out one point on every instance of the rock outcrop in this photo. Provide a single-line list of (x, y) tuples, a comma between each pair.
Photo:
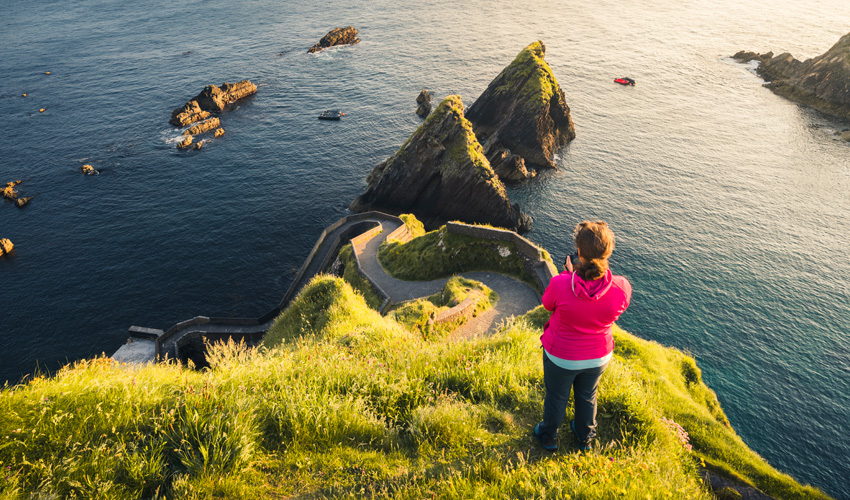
[(822, 82), (336, 36), (6, 247), (88, 170), (524, 112), (424, 102), (441, 174), (22, 201), (215, 99), (211, 99), (218, 132), (186, 142), (202, 127), (9, 191), (190, 113)]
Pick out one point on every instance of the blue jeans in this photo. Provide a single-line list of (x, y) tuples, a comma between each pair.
[(559, 382)]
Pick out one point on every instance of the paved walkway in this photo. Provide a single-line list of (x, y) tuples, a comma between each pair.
[(515, 297)]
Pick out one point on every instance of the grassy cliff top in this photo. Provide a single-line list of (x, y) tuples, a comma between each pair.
[(343, 402)]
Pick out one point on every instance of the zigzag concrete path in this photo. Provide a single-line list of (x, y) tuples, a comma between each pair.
[(515, 297)]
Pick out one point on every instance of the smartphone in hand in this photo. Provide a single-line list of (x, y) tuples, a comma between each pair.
[(570, 259)]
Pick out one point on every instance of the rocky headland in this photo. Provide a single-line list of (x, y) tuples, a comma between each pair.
[(522, 118), (441, 174), (336, 36), (822, 82)]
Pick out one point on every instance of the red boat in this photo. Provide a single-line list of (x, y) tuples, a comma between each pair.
[(624, 81)]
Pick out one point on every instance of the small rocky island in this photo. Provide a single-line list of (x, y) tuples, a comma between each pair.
[(441, 174), (522, 118), (822, 82), (212, 99), (336, 36)]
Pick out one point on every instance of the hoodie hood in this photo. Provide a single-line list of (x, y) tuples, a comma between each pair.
[(594, 289)]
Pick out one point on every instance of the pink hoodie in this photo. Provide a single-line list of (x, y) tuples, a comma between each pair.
[(582, 314)]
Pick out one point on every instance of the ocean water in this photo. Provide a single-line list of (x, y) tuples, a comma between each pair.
[(730, 204)]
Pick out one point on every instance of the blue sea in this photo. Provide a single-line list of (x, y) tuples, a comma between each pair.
[(730, 204)]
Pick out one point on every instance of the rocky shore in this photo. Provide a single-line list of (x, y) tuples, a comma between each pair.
[(522, 118), (822, 82), (441, 174)]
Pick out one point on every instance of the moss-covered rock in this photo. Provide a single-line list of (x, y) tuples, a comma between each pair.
[(822, 82), (523, 111), (441, 174)]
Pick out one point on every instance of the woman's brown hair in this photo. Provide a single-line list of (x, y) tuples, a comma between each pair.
[(595, 242)]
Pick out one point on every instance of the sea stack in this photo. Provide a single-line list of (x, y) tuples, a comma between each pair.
[(336, 36), (441, 174), (822, 82), (522, 118), (423, 100)]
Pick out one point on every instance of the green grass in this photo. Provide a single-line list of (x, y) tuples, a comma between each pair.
[(418, 315), (439, 253), (530, 72), (357, 280), (342, 402)]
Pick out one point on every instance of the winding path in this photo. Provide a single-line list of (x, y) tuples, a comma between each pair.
[(366, 232)]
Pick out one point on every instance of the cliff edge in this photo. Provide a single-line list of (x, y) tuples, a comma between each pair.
[(523, 113), (822, 82), (441, 173)]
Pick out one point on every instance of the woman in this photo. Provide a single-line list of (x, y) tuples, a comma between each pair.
[(577, 340)]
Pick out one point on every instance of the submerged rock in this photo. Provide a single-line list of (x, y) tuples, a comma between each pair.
[(202, 127), (524, 111), (822, 82), (9, 191), (336, 36), (424, 102), (6, 246), (441, 174), (190, 113)]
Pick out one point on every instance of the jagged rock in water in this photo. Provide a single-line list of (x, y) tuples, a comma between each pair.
[(424, 102), (218, 132), (510, 167), (215, 99), (6, 246), (336, 36), (441, 174), (191, 112), (202, 127), (523, 110), (185, 143), (822, 82), (21, 202), (88, 170), (198, 145), (9, 191)]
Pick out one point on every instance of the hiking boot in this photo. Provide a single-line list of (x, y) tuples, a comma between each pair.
[(549, 443), (582, 445)]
